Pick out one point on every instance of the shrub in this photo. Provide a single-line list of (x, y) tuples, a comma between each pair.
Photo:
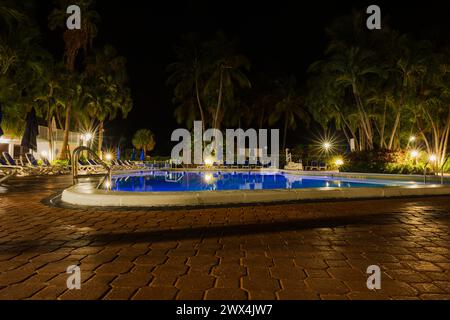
[(381, 161)]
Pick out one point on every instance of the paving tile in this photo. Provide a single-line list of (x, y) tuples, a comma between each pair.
[(320, 259)]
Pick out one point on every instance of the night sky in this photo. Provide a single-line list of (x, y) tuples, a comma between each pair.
[(279, 37)]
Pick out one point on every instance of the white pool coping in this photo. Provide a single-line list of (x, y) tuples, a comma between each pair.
[(86, 194)]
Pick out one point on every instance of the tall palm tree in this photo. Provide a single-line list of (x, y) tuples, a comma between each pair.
[(289, 108), (108, 95), (186, 75), (75, 41), (228, 69)]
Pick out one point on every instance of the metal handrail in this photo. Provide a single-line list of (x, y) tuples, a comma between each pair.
[(76, 157)]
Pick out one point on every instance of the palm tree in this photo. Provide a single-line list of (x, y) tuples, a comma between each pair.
[(144, 139), (75, 41), (289, 107), (227, 70), (106, 78), (186, 75)]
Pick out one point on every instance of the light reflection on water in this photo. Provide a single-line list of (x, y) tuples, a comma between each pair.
[(202, 181)]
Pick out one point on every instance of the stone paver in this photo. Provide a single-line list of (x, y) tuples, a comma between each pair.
[(291, 251)]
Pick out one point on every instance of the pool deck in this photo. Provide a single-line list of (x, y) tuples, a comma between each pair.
[(315, 250)]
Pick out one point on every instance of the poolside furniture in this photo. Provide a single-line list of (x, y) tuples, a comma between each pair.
[(24, 170), (33, 163), (90, 167), (7, 171), (313, 166), (62, 169), (322, 166), (294, 166)]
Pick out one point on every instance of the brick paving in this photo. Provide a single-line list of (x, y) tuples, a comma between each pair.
[(292, 251)]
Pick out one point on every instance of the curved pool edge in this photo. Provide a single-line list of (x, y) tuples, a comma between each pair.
[(87, 195)]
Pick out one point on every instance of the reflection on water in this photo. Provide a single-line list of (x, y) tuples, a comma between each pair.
[(201, 181)]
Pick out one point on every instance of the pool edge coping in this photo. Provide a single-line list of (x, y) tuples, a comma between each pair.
[(85, 195)]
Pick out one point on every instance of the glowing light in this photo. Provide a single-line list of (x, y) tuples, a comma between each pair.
[(44, 154), (208, 178), (339, 162), (414, 154), (326, 146), (412, 139), (108, 184), (88, 136), (433, 158), (108, 156), (5, 140), (209, 161)]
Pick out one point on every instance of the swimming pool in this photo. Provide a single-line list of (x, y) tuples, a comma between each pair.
[(169, 181), (161, 189)]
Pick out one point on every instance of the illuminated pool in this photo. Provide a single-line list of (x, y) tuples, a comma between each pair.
[(169, 181), (198, 188)]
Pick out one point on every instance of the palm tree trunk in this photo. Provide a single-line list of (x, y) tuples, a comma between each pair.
[(284, 132), (100, 139), (383, 126), (202, 115), (219, 100), (394, 130), (50, 133), (63, 155)]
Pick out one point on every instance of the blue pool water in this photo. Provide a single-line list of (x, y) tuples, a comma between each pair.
[(204, 181)]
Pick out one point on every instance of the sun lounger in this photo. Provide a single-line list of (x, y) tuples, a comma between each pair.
[(33, 163), (24, 170), (322, 166)]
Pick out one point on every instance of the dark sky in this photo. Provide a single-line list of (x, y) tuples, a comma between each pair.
[(279, 38)]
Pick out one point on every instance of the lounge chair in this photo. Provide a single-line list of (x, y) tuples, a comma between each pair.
[(33, 163), (7, 171), (313, 166), (62, 169), (322, 166), (24, 170), (90, 168)]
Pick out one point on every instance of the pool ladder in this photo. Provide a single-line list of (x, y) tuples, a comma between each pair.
[(76, 157)]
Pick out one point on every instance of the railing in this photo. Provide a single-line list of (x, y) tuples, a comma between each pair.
[(76, 158)]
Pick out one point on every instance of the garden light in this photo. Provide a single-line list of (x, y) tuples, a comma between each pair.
[(339, 162), (108, 156), (412, 139), (414, 154), (44, 154), (432, 158)]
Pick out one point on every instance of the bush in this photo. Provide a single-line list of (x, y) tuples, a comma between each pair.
[(381, 161)]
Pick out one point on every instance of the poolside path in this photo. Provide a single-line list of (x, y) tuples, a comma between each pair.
[(291, 251)]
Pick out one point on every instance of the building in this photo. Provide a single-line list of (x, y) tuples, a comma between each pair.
[(12, 145)]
